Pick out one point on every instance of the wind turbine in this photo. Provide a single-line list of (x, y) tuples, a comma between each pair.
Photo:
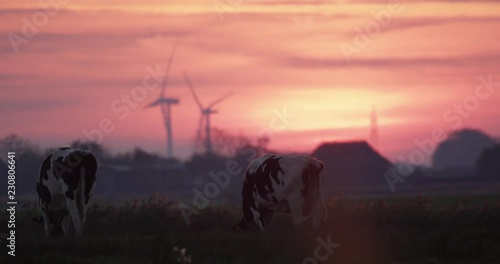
[(205, 115), (165, 105)]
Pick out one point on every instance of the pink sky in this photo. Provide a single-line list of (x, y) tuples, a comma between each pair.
[(271, 54)]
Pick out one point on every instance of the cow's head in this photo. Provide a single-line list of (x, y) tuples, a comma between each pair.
[(38, 219), (55, 222), (242, 225)]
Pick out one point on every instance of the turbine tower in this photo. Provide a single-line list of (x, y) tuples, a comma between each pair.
[(205, 116), (166, 104), (374, 128)]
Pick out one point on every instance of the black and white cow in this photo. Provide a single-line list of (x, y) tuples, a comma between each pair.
[(64, 188), (289, 184)]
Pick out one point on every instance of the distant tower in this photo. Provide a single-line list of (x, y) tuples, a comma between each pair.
[(374, 128)]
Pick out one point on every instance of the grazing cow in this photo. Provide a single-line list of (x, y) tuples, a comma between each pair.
[(289, 184), (64, 188)]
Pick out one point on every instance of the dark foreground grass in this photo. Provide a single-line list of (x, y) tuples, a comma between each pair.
[(409, 230)]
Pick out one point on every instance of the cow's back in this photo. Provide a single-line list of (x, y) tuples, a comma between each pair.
[(271, 179), (63, 169), (275, 183), (285, 171)]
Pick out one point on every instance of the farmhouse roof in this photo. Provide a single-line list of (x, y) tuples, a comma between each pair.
[(352, 163)]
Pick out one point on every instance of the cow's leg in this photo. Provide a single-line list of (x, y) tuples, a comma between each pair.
[(75, 201), (65, 223), (46, 219), (265, 218), (83, 215), (80, 198), (323, 212), (82, 208), (296, 203), (318, 213), (261, 217), (75, 214), (256, 217), (315, 214), (249, 210)]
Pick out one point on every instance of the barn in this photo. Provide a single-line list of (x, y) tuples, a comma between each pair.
[(351, 163)]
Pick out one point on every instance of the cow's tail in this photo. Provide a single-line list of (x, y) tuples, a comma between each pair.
[(314, 204), (80, 191), (322, 207)]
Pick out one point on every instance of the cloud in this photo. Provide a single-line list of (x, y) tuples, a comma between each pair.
[(10, 77), (327, 63), (31, 105)]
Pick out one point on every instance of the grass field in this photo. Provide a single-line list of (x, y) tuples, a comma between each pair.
[(398, 230)]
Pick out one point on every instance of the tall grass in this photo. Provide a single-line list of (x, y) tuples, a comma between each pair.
[(409, 230)]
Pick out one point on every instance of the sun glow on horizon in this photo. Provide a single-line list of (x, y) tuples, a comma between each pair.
[(324, 108)]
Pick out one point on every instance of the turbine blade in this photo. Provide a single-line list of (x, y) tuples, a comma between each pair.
[(154, 103), (219, 100), (167, 69), (193, 91), (172, 56)]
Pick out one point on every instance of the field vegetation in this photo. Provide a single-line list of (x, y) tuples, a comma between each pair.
[(418, 229)]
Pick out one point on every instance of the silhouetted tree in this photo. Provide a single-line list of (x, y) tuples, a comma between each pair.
[(223, 143), (19, 145), (488, 165), (140, 156), (232, 154), (461, 148), (28, 160), (228, 145), (97, 149)]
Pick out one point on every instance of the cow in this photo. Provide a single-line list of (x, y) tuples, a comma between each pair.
[(288, 184), (64, 187)]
